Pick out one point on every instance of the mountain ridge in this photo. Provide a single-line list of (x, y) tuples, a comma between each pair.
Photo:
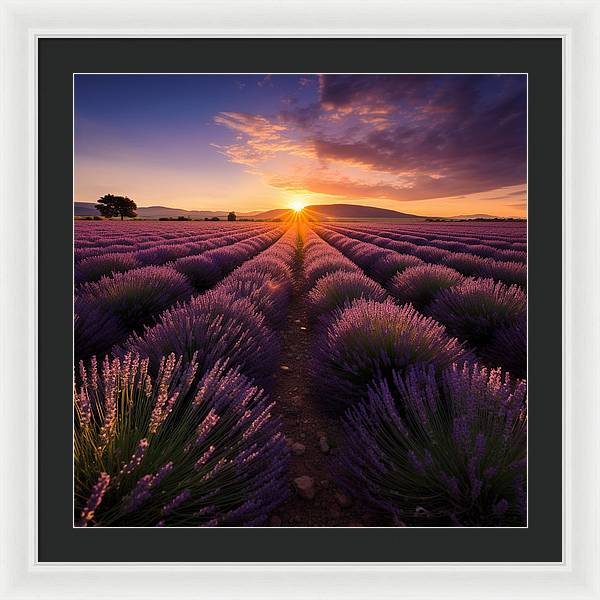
[(340, 211), (474, 216)]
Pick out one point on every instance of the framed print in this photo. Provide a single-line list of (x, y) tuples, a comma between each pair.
[(350, 316), (300, 312)]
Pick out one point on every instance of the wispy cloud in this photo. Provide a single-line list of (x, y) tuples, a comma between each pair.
[(405, 138)]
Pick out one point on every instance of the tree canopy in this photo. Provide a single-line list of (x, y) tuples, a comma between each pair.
[(231, 216), (116, 206)]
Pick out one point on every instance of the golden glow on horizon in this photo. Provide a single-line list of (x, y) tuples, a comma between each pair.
[(297, 205), (174, 191)]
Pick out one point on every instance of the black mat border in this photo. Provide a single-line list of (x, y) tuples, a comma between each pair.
[(540, 58)]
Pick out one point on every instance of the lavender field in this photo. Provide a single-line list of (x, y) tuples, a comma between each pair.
[(300, 374)]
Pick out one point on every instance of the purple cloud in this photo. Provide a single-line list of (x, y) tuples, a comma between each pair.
[(402, 137)]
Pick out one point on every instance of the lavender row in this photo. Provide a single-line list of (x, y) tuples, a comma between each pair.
[(404, 383), (108, 310), (128, 244), (107, 232), (119, 236), (362, 330), (487, 315), (234, 320), (93, 268), (507, 231), (332, 280), (435, 250), (202, 434), (162, 251), (371, 253), (423, 236)]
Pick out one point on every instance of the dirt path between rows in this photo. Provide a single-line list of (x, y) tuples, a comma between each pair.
[(313, 436)]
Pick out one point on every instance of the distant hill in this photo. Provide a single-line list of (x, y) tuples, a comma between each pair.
[(339, 211), (475, 216), (87, 209)]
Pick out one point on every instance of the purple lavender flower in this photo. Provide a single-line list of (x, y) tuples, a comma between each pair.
[(430, 254), (173, 504), (215, 325), (136, 458), (217, 456), (324, 264), (511, 256), (340, 288), (372, 339), (94, 500), (475, 309), (144, 488), (161, 254), (94, 267), (202, 271), (419, 285), (507, 272), (269, 295), (114, 306), (437, 442), (391, 263), (467, 264), (277, 268), (83, 407)]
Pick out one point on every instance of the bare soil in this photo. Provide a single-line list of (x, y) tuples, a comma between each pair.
[(304, 422)]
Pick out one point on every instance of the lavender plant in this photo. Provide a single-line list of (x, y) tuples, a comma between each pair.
[(111, 308), (475, 309), (340, 288), (391, 263), (325, 263), (271, 265), (511, 256), (174, 451), (201, 271), (212, 327), (430, 254), (161, 254), (507, 272), (269, 295), (94, 267), (419, 285), (445, 449), (372, 339), (467, 264)]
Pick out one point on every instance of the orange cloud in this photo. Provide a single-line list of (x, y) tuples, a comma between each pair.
[(401, 138)]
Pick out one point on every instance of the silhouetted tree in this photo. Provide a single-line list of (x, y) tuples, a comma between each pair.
[(116, 206), (215, 219), (231, 216)]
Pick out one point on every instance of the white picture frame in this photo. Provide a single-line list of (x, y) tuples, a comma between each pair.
[(23, 22)]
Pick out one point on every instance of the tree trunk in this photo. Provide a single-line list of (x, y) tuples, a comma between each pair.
[(121, 217)]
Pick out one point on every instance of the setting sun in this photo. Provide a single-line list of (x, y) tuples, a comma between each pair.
[(296, 205)]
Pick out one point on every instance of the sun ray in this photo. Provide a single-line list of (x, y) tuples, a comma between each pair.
[(297, 205)]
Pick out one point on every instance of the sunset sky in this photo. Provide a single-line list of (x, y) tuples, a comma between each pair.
[(439, 145)]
